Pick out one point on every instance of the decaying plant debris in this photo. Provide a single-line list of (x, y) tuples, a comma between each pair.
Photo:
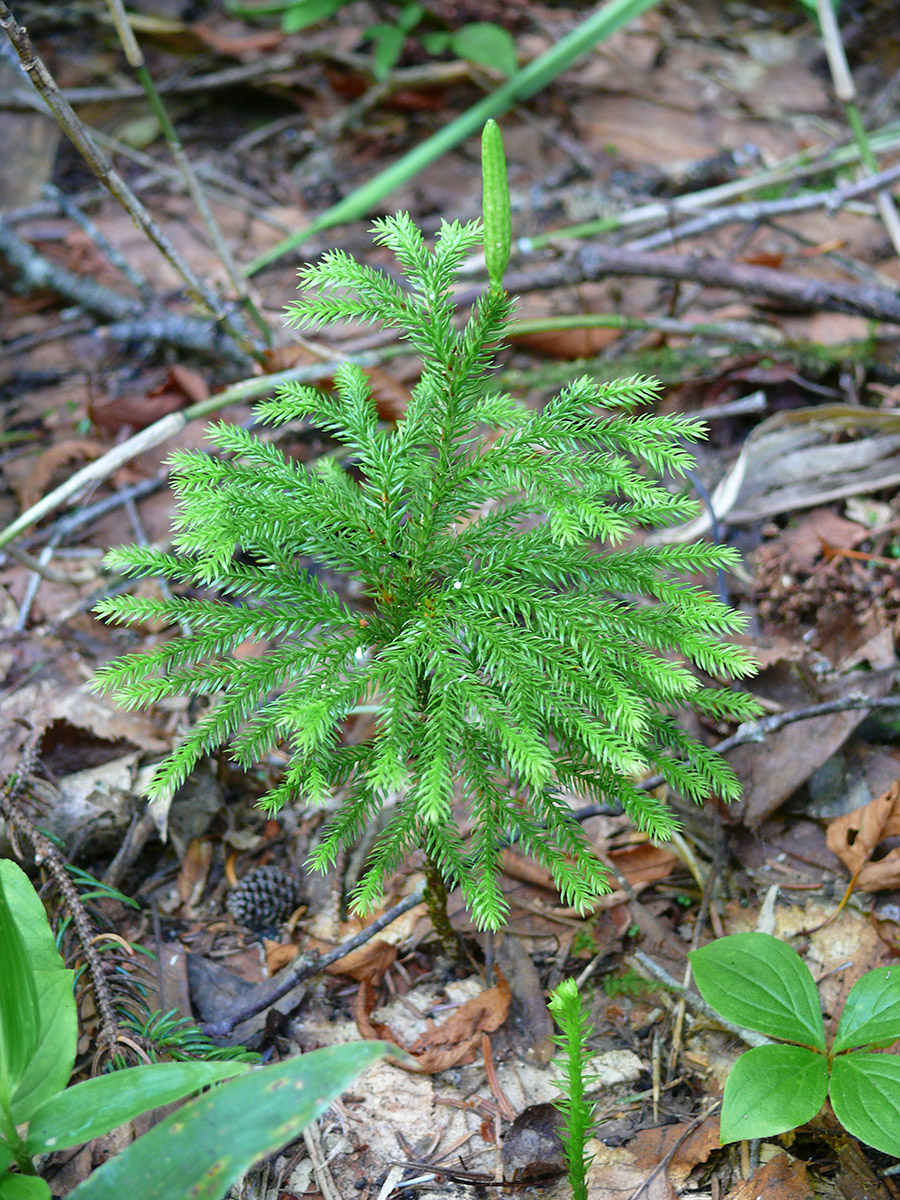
[(687, 205)]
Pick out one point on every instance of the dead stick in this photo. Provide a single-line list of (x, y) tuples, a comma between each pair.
[(165, 428), (596, 262), (265, 994), (129, 320), (80, 136)]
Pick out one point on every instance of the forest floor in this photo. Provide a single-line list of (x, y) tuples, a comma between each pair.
[(778, 325)]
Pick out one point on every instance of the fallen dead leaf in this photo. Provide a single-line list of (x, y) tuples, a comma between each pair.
[(782, 1178), (651, 1146), (855, 837), (42, 469), (454, 1043)]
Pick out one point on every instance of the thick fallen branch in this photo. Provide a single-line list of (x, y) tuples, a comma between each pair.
[(82, 140), (130, 319), (777, 287)]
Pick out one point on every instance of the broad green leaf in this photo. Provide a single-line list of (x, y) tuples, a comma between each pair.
[(388, 45), (772, 1089), (6, 1156), (98, 1105), (19, 1020), (488, 44), (871, 1015), (53, 1053), (865, 1096), (24, 1187), (200, 1150), (308, 12), (757, 981)]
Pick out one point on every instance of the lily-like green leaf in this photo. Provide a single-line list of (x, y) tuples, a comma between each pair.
[(757, 981), (18, 994), (52, 1053), (98, 1105), (201, 1149), (24, 1187)]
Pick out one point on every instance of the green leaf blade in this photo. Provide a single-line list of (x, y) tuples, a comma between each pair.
[(757, 981), (99, 1105), (871, 1015), (865, 1096), (772, 1089), (18, 992), (201, 1149)]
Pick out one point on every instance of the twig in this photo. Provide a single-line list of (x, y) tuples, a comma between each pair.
[(650, 969), (272, 64), (69, 208), (164, 428), (81, 138), (191, 333), (135, 59), (789, 170), (595, 262), (758, 731), (845, 91), (306, 965), (761, 210)]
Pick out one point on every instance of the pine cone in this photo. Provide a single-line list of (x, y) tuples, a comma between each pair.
[(263, 899)]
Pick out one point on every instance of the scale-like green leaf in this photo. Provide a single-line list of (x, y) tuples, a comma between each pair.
[(871, 1015), (98, 1105), (757, 981), (865, 1096), (772, 1089), (199, 1151)]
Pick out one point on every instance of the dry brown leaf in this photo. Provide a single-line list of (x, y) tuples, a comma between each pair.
[(180, 387), (368, 962), (771, 770), (782, 1178), (567, 344), (651, 1146), (45, 466), (454, 1043), (855, 837)]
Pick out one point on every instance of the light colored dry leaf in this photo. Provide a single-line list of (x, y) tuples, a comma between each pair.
[(782, 1178), (802, 458), (455, 1042), (855, 837)]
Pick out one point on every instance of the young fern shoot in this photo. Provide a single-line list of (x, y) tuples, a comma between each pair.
[(505, 655)]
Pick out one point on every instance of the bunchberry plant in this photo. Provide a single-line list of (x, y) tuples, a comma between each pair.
[(757, 981), (510, 659)]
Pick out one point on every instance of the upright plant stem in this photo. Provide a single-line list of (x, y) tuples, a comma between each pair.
[(436, 899), (845, 90)]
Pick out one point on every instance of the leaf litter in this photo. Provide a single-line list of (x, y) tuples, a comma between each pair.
[(653, 109)]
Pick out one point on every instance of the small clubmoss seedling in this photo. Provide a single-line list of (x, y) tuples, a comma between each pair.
[(510, 660), (570, 1013)]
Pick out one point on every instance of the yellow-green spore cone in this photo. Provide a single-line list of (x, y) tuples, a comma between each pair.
[(495, 204)]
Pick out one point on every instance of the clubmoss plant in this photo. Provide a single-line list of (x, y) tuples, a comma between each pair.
[(570, 1013), (510, 660)]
